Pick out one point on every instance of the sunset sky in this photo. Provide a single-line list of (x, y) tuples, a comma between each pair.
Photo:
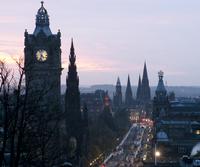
[(114, 37)]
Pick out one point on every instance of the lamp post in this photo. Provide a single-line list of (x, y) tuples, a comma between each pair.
[(157, 154)]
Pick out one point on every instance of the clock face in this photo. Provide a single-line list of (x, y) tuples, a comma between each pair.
[(41, 55)]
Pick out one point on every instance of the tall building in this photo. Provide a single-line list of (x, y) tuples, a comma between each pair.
[(128, 94), (43, 64), (139, 88), (117, 99), (74, 122), (145, 89), (160, 102)]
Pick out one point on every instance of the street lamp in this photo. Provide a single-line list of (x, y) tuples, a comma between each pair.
[(157, 154)]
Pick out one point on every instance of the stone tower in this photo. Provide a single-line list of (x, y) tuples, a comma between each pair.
[(74, 122), (43, 64)]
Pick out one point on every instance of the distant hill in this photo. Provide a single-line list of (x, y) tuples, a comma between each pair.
[(180, 91)]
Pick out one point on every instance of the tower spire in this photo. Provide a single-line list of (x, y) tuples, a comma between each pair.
[(128, 94), (42, 3), (139, 88), (118, 81), (145, 75), (74, 120), (145, 89), (117, 98), (72, 57), (42, 21)]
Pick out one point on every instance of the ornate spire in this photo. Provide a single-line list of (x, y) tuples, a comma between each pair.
[(74, 117), (72, 57), (42, 21), (161, 86), (42, 17), (72, 72)]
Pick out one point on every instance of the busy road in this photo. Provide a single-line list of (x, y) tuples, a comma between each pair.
[(129, 152)]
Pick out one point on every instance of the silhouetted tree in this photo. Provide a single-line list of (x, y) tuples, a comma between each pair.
[(30, 135)]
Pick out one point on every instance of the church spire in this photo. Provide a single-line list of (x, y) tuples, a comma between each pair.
[(128, 94), (145, 92), (145, 75), (118, 81), (117, 99), (139, 88)]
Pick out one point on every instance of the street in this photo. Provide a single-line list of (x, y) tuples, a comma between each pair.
[(129, 151)]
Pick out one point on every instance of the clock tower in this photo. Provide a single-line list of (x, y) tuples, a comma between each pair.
[(43, 64)]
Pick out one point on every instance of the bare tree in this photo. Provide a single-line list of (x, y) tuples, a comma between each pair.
[(30, 135)]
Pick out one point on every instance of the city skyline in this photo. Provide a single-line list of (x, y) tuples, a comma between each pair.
[(110, 43)]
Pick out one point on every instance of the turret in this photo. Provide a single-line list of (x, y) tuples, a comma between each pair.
[(161, 92), (160, 102), (42, 21)]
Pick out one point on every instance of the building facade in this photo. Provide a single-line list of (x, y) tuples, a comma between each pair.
[(176, 126)]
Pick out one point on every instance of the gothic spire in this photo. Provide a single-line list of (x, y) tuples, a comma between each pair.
[(145, 79), (128, 83), (72, 57), (118, 82), (139, 88), (145, 89), (128, 94), (74, 121), (117, 98)]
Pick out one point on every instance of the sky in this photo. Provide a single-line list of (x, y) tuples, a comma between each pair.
[(114, 37)]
